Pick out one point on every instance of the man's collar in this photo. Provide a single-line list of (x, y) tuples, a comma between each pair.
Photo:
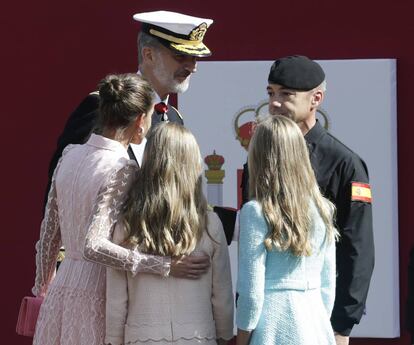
[(165, 100), (315, 133)]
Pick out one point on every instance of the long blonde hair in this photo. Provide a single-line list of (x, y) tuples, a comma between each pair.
[(166, 211), (282, 180)]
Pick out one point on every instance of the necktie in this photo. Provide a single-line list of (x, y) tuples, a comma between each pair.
[(162, 108)]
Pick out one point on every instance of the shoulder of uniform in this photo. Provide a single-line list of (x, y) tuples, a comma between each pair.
[(94, 93), (341, 148), (346, 156), (176, 110)]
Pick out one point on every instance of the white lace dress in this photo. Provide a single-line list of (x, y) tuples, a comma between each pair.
[(88, 189)]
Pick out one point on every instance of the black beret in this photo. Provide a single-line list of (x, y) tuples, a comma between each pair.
[(296, 72)]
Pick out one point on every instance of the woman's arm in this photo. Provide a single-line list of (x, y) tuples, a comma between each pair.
[(100, 249), (98, 246), (47, 248)]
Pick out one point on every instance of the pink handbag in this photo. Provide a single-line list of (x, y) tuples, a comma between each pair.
[(28, 313)]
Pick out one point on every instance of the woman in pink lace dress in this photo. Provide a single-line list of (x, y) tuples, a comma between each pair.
[(166, 214), (88, 188)]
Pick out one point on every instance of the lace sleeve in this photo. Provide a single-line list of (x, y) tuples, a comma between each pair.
[(98, 245), (47, 248)]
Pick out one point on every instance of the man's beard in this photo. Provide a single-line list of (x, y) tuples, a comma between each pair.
[(180, 87), (168, 80)]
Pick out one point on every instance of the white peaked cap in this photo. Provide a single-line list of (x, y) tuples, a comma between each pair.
[(177, 31)]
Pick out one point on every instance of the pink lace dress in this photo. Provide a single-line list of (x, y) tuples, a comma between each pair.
[(88, 189)]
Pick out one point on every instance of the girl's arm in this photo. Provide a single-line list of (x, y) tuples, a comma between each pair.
[(252, 267)]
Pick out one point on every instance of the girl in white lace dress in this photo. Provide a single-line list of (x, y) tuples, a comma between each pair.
[(88, 188), (166, 214)]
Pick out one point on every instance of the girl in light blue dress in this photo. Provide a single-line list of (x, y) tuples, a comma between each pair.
[(286, 279)]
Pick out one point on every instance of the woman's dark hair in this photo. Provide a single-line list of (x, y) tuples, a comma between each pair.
[(122, 98)]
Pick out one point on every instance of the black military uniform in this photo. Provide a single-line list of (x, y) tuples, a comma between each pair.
[(339, 172), (410, 299), (83, 121)]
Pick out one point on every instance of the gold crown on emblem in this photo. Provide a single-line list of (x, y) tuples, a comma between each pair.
[(197, 34)]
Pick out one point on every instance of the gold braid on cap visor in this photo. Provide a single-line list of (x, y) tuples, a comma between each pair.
[(192, 47), (173, 39), (202, 49)]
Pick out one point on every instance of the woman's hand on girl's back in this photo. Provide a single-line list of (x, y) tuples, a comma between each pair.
[(189, 267)]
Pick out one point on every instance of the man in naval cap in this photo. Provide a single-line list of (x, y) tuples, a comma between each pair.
[(168, 47), (296, 88), (169, 44)]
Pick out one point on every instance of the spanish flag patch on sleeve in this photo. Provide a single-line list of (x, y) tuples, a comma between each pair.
[(361, 192)]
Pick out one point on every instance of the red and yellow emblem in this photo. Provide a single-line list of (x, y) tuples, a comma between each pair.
[(361, 192)]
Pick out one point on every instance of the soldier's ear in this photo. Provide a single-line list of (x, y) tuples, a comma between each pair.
[(317, 98)]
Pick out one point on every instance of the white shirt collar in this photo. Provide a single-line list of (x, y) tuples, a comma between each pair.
[(138, 150)]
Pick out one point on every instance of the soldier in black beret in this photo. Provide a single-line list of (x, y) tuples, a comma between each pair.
[(296, 87), (169, 45)]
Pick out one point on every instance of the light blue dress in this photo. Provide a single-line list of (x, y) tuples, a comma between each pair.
[(284, 299)]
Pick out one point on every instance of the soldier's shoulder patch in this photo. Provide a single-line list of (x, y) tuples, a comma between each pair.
[(178, 113), (361, 192)]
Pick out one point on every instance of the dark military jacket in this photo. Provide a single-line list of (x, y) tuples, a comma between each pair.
[(83, 121), (410, 299), (337, 168)]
